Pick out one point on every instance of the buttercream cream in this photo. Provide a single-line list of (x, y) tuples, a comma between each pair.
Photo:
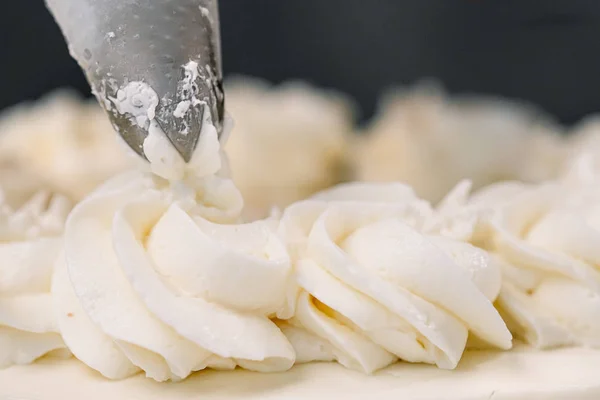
[(374, 287), (158, 276), (30, 242), (544, 237), (288, 141)]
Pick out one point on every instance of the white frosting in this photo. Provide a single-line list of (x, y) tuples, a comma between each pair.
[(23, 186), (157, 274), (166, 162), (545, 238), (583, 145), (64, 142), (288, 142), (554, 294), (159, 277), (431, 141), (374, 287), (30, 243)]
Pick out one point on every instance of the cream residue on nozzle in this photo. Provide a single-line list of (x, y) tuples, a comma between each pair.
[(181, 109), (164, 159), (139, 100), (166, 162)]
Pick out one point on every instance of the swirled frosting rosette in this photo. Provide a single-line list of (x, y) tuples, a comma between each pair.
[(65, 141), (288, 141), (30, 242), (431, 141), (374, 288), (546, 239), (159, 276)]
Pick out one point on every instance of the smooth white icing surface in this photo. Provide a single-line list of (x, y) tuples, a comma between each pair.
[(521, 374)]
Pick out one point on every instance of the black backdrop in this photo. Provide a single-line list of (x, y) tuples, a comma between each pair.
[(543, 51)]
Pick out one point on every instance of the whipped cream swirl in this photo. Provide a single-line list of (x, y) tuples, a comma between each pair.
[(158, 276), (303, 131), (30, 242), (546, 239), (373, 287)]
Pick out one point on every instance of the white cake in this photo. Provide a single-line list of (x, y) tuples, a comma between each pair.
[(153, 286)]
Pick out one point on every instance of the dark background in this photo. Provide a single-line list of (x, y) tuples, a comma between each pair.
[(543, 51)]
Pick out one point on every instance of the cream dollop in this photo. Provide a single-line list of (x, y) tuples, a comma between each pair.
[(63, 141), (545, 237), (30, 242), (288, 142), (549, 237), (159, 276), (430, 141), (375, 288)]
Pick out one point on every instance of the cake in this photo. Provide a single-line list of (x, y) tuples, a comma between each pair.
[(156, 284)]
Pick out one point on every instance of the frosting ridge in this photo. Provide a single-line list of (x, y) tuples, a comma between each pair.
[(543, 236), (375, 287), (30, 242)]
